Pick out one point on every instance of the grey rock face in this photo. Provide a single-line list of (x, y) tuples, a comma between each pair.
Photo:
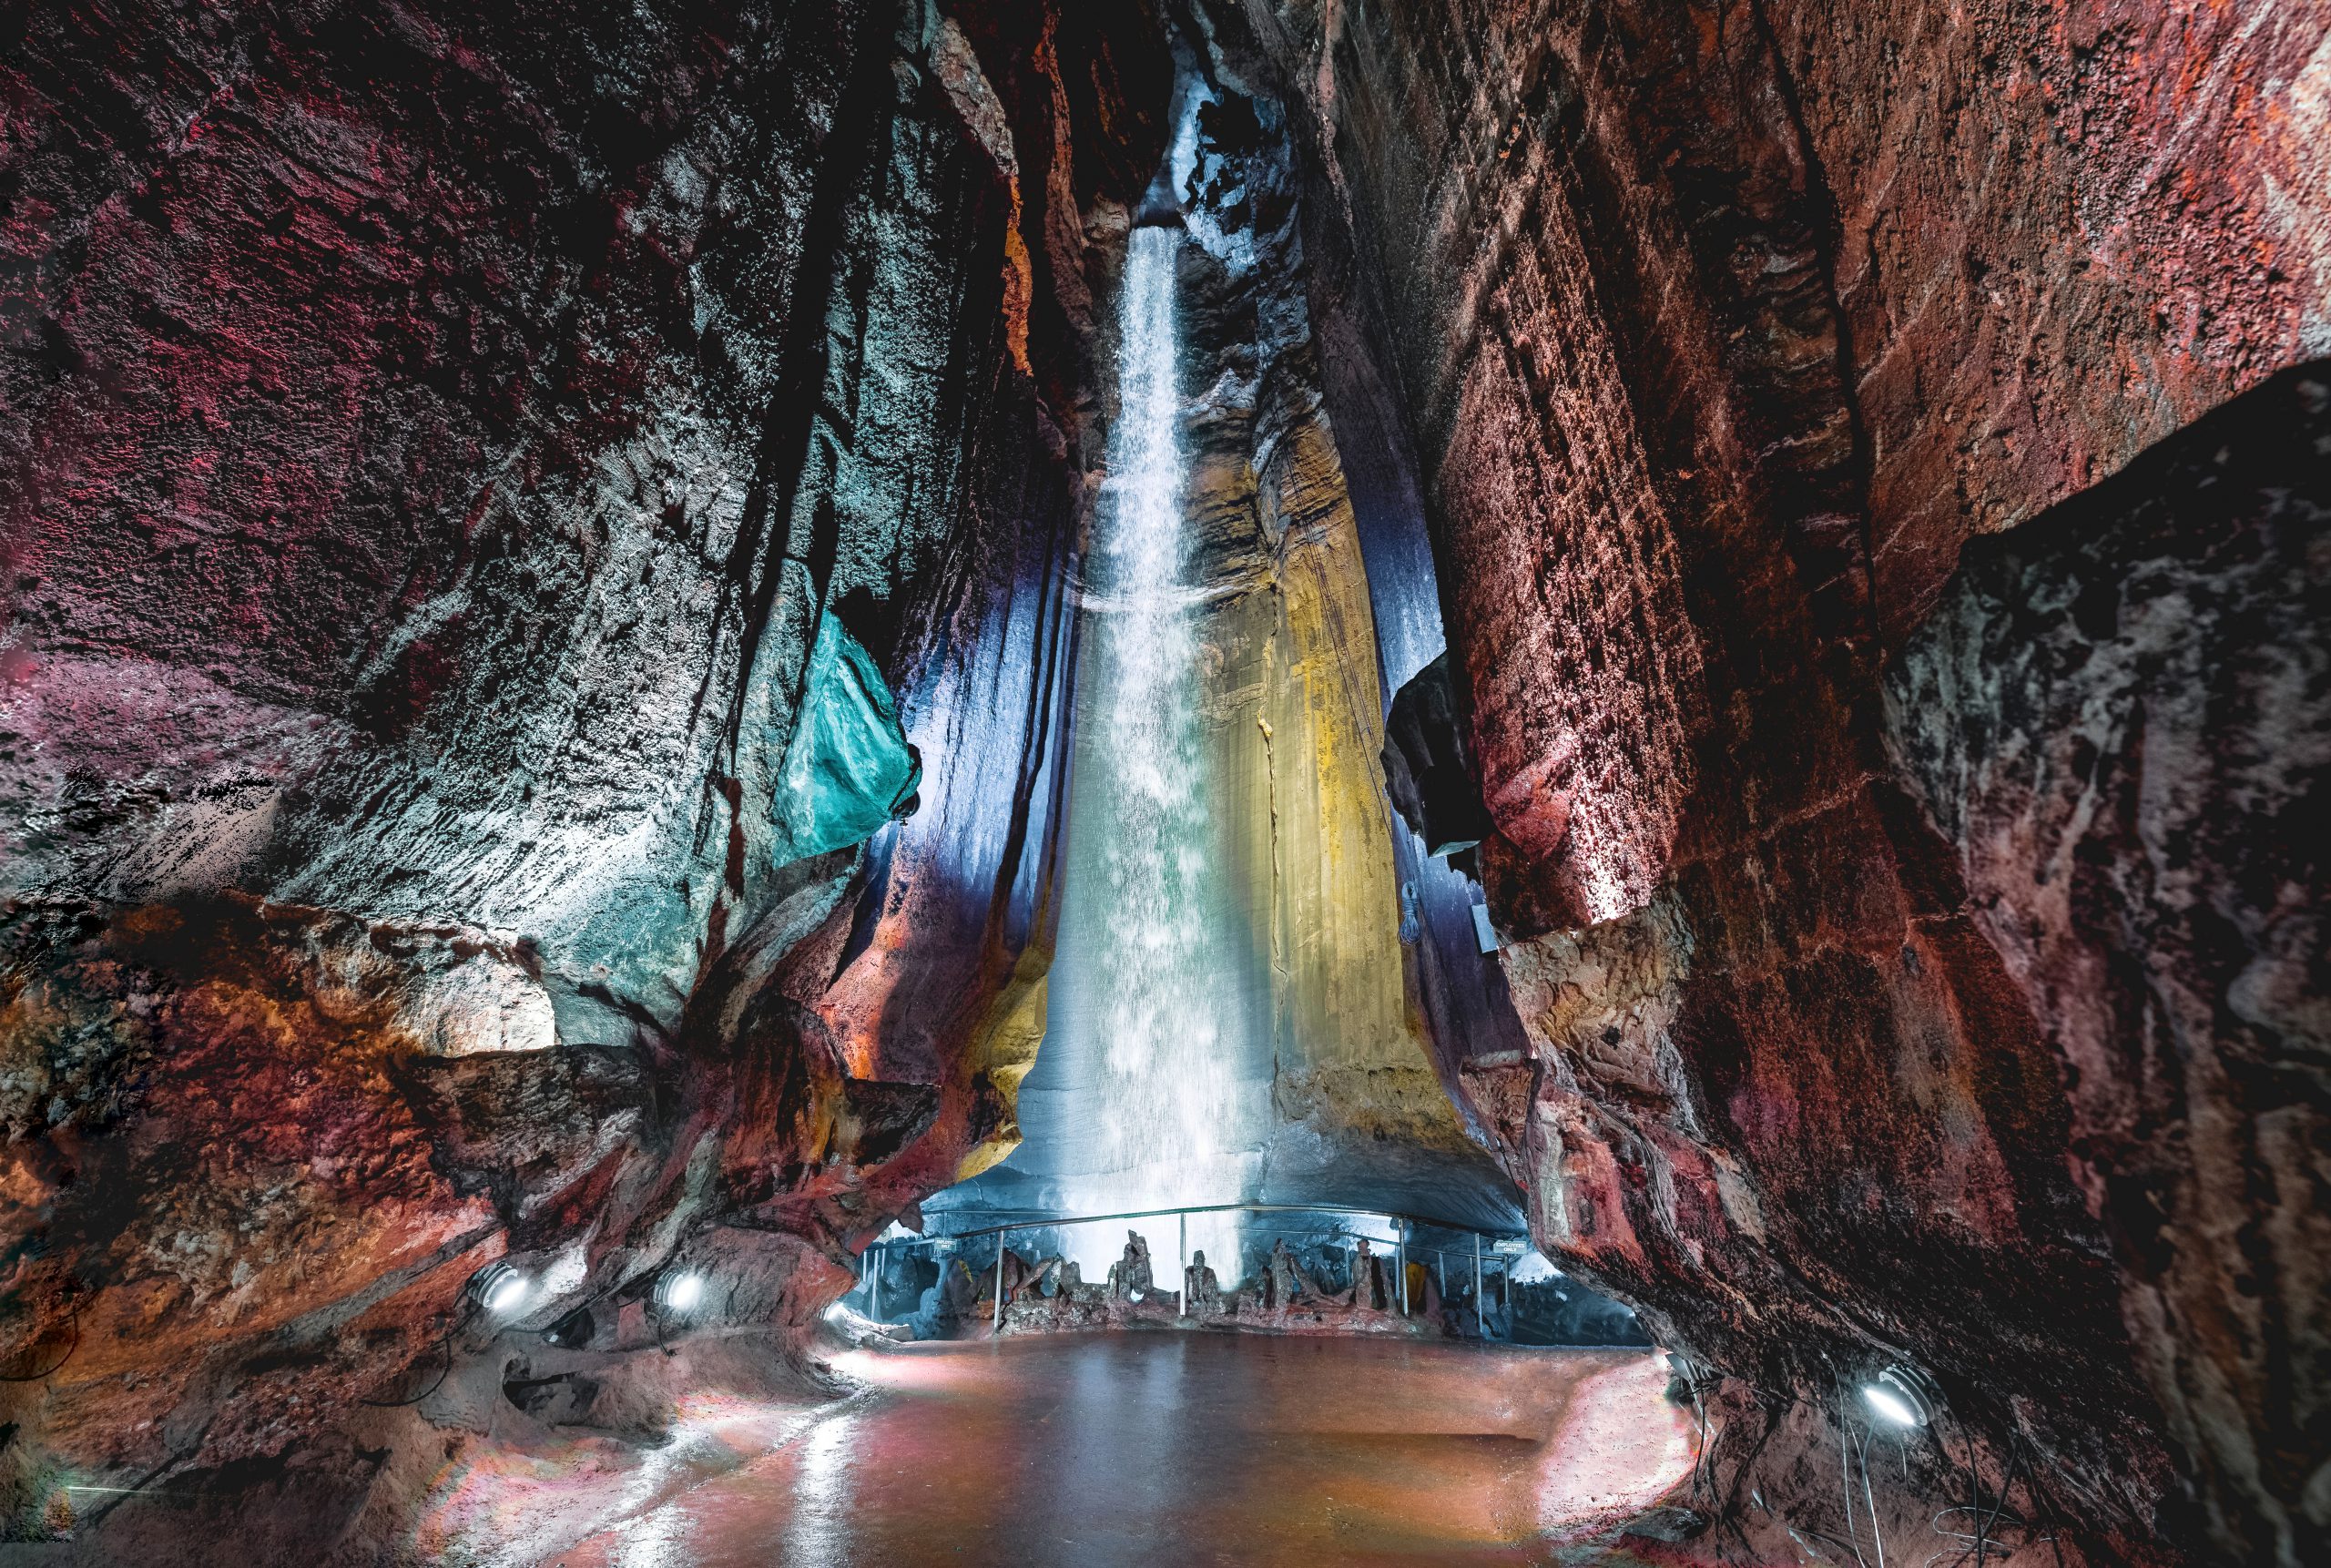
[(2119, 717)]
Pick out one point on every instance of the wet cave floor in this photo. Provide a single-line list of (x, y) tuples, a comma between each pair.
[(1162, 1448)]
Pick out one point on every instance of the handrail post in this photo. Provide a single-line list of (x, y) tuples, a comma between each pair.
[(1184, 1217), (875, 1282), (1480, 1302), (1401, 1253), (1001, 1237)]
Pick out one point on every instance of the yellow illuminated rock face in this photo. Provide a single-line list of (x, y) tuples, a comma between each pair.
[(1294, 709), (1004, 1049)]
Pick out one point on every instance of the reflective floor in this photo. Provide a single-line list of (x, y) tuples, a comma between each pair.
[(1187, 1449)]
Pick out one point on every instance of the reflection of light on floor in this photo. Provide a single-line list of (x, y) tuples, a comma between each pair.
[(513, 1510), (655, 1540), (822, 1496), (1160, 1450), (1612, 1455)]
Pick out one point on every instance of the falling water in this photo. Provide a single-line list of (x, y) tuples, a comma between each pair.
[(1152, 1087)]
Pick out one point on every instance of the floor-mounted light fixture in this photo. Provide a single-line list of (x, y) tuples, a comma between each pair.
[(1899, 1396), (499, 1289), (679, 1293)]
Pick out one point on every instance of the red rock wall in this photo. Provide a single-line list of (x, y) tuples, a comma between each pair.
[(431, 434), (1719, 328), (2061, 231), (2117, 717)]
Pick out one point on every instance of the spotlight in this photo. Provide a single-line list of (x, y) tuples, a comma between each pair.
[(498, 1289), (679, 1294), (1897, 1397)]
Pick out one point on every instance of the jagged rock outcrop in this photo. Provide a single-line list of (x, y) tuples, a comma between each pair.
[(2117, 717), (1716, 329), (436, 441)]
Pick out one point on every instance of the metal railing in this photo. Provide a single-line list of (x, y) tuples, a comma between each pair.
[(1404, 1228)]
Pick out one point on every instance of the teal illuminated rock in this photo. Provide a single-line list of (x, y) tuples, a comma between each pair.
[(849, 768)]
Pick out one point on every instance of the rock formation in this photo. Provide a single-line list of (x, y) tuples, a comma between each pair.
[(1845, 915), (444, 449), (1132, 1277), (1200, 1287)]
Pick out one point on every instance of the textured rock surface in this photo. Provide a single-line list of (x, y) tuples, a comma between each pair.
[(1720, 327), (1295, 711), (2060, 231), (431, 438), (2118, 716)]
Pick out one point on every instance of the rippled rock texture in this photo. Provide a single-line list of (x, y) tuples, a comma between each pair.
[(1862, 1024), (431, 436), (2117, 717)]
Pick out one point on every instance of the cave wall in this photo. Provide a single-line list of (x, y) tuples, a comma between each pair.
[(1716, 330), (1295, 696), (2058, 233), (433, 437), (433, 441), (2116, 717)]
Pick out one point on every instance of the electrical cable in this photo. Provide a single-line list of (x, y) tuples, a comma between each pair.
[(2006, 1484), (1701, 1463), (1846, 1484), (445, 1347), (1877, 1536), (1700, 1412), (74, 1320), (1981, 1544), (1802, 1536)]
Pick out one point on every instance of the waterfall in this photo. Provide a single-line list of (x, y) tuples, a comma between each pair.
[(1152, 1088)]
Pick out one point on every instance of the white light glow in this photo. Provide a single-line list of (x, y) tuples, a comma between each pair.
[(1892, 1406), (685, 1292), (507, 1293), (1153, 1089), (1533, 1267)]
